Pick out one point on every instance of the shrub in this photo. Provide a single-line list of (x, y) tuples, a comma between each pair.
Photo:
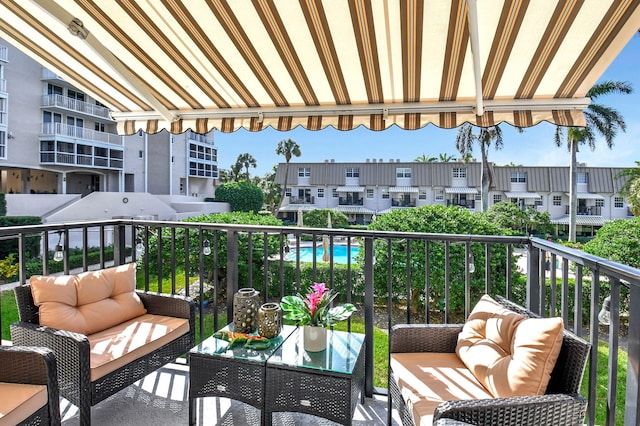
[(318, 218), (619, 241), (32, 243), (3, 204), (241, 196)]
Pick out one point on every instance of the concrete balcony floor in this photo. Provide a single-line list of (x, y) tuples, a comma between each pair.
[(161, 398)]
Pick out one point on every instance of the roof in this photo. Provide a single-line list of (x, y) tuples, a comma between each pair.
[(224, 64), (580, 220)]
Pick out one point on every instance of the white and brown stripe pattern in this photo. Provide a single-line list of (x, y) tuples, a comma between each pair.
[(315, 63)]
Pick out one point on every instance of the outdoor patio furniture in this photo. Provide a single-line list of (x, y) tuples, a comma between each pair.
[(28, 386), (419, 391), (104, 333)]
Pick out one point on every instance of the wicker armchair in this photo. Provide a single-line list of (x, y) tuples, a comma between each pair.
[(73, 354), (560, 406), (33, 366)]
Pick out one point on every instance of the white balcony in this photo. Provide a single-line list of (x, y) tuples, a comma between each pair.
[(64, 131), (74, 105), (4, 53)]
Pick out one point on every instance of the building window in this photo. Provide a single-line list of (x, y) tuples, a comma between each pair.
[(440, 195), (369, 192), (98, 127), (287, 192), (422, 195), (385, 194), (518, 177), (583, 178), (538, 202), (304, 171), (140, 154), (618, 202), (459, 172), (557, 200), (353, 172), (320, 192), (403, 172), (334, 193), (53, 89), (3, 145), (477, 197), (599, 203), (497, 198)]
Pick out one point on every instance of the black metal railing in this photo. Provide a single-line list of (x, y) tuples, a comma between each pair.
[(350, 201), (586, 210), (396, 277)]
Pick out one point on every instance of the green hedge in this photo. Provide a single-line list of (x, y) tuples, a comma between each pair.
[(32, 244)]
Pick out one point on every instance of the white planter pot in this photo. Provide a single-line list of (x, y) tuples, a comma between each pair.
[(315, 338)]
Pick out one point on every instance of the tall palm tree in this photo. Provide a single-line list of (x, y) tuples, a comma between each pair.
[(289, 148), (631, 188), (247, 160), (601, 120), (464, 144), (235, 172), (423, 158)]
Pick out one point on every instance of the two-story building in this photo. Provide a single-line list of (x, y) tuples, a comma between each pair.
[(375, 187)]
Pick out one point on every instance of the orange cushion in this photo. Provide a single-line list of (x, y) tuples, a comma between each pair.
[(88, 302), (120, 345), (427, 379), (511, 355), (19, 401)]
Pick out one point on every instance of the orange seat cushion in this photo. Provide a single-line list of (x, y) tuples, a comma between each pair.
[(118, 346), (19, 401), (427, 379), (509, 354), (88, 302)]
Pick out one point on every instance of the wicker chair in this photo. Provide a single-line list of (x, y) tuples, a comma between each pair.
[(560, 406), (73, 355), (33, 366)]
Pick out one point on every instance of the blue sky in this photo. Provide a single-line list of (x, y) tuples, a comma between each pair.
[(534, 147)]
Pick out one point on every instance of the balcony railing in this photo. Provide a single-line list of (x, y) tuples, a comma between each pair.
[(468, 204), (81, 133), (350, 201), (415, 277), (301, 200), (586, 210), (4, 53), (401, 202), (75, 105), (3, 85)]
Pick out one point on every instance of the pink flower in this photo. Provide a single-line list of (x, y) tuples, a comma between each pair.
[(315, 298)]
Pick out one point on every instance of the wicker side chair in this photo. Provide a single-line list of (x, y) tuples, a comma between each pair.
[(73, 352), (33, 366), (560, 406)]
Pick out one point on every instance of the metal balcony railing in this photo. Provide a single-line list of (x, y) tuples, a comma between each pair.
[(80, 133), (415, 277), (4, 53), (350, 201), (301, 200), (401, 202), (586, 210), (75, 105), (468, 204)]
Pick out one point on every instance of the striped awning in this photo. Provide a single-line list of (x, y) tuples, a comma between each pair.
[(350, 188), (404, 189), (227, 64), (580, 220), (354, 210), (518, 194), (460, 190), (587, 196), (296, 207)]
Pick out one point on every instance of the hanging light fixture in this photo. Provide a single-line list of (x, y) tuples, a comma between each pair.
[(604, 317), (206, 248), (472, 266), (58, 254), (140, 249)]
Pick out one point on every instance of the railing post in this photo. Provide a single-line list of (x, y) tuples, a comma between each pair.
[(533, 279), (368, 316), (232, 270), (119, 239), (631, 413)]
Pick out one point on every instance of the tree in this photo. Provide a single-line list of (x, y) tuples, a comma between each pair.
[(424, 159), (601, 120), (445, 158), (618, 240), (235, 172), (631, 188), (270, 189), (464, 144), (317, 218), (510, 215), (246, 160), (241, 196), (289, 148)]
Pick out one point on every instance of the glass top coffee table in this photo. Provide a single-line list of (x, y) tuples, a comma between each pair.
[(237, 373), (325, 384)]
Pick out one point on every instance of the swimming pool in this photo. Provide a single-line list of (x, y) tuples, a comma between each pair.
[(339, 254)]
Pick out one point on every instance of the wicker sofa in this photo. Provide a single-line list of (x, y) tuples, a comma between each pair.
[(105, 334), (28, 386), (432, 392)]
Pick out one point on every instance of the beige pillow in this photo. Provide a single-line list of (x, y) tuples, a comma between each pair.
[(88, 302), (511, 355)]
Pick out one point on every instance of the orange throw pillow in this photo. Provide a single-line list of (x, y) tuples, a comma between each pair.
[(511, 355)]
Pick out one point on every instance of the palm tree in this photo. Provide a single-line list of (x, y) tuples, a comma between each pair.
[(445, 158), (289, 148), (235, 172), (464, 144), (424, 159), (631, 188), (602, 120), (247, 160)]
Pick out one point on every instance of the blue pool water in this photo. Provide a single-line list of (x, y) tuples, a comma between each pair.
[(339, 254)]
